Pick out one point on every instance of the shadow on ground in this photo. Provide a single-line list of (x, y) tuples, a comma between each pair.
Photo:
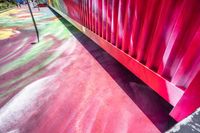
[(151, 104)]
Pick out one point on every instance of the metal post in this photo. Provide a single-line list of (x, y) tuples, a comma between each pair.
[(37, 33)]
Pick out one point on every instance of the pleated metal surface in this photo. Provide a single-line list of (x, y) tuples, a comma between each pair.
[(163, 36)]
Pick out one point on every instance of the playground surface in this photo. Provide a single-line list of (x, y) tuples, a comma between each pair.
[(66, 83)]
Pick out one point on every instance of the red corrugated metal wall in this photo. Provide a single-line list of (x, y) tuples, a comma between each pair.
[(161, 35)]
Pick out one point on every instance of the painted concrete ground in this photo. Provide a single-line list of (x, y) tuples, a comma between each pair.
[(66, 83)]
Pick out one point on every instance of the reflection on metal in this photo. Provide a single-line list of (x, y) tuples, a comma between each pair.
[(157, 40)]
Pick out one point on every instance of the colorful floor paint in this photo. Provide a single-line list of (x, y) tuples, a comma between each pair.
[(19, 59), (65, 83)]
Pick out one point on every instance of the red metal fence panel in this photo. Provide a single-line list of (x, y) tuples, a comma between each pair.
[(158, 40)]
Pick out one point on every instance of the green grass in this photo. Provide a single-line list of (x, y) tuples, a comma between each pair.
[(4, 4)]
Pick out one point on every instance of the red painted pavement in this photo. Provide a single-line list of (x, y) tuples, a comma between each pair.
[(84, 90)]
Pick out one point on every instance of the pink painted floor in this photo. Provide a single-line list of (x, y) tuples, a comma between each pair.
[(82, 90)]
